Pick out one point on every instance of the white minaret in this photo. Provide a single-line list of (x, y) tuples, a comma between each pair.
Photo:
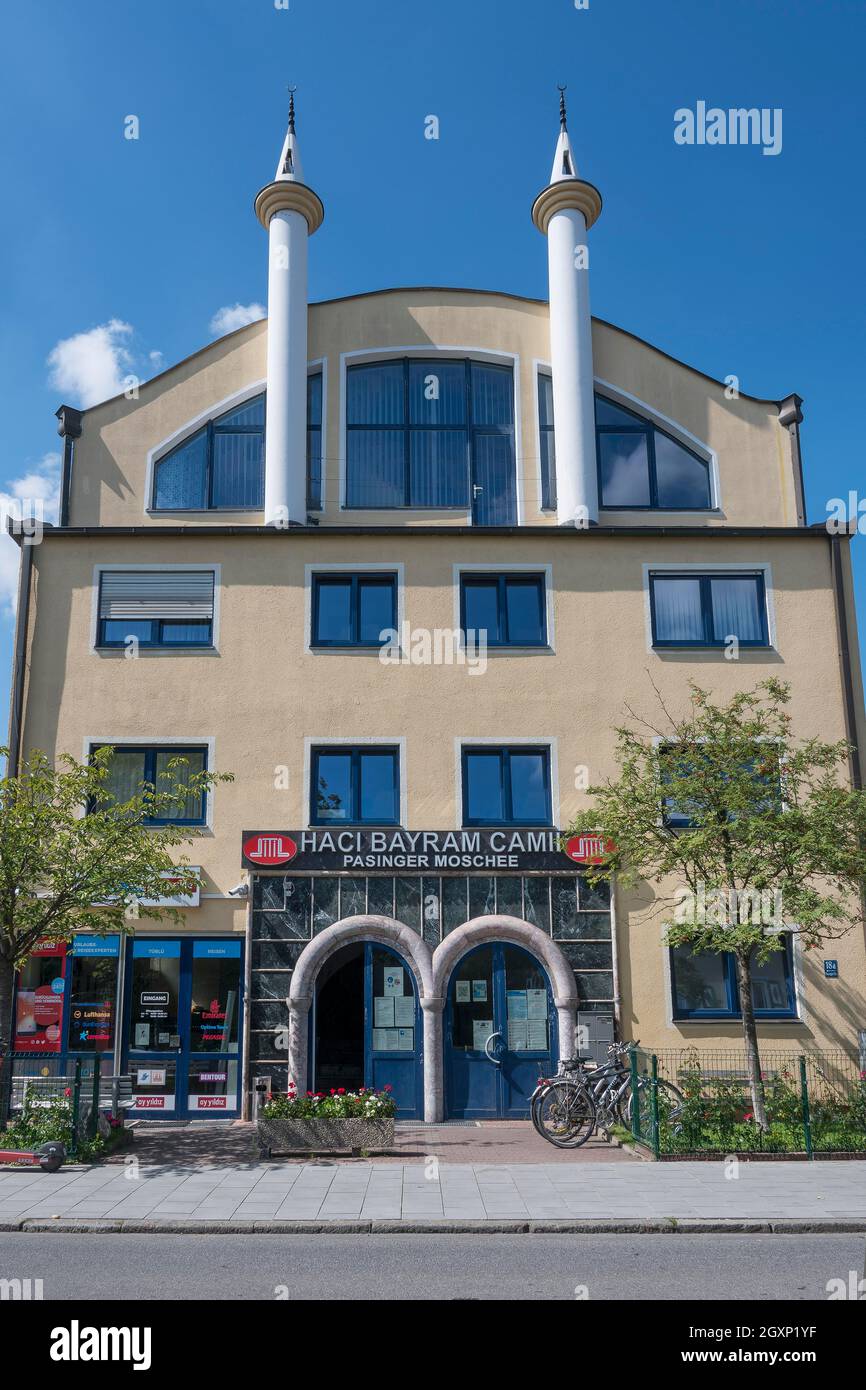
[(564, 211), (290, 212)]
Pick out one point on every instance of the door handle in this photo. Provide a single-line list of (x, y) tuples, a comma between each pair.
[(476, 488), (487, 1051)]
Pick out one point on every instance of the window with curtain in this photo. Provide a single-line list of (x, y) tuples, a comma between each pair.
[(220, 467), (506, 786), (708, 610), (315, 486), (705, 984), (420, 432), (639, 465), (354, 786), (642, 467), (131, 766), (763, 790)]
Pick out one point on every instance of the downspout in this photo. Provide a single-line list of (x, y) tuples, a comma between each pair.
[(69, 430), (849, 701), (791, 417), (247, 1070), (19, 651)]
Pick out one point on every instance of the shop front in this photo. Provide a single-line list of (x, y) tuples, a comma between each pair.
[(167, 1012), (453, 966)]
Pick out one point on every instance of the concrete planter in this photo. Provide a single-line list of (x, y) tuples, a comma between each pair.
[(322, 1136)]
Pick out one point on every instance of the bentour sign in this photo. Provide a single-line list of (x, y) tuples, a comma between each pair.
[(327, 851)]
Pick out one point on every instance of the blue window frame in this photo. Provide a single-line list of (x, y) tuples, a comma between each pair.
[(506, 786), (354, 785), (132, 765), (420, 433), (707, 610), (510, 608), (156, 632), (353, 610), (547, 443), (705, 984), (315, 492), (642, 468), (763, 768), (220, 467)]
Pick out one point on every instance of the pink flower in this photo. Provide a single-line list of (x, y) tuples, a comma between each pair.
[(389, 1088)]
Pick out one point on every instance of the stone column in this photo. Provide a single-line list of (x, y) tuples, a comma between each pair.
[(434, 1090)]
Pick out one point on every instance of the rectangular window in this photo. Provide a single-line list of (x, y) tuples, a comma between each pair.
[(506, 786), (705, 984), (92, 993), (156, 608), (510, 608), (764, 792), (708, 610), (547, 443), (354, 786), (130, 767), (353, 610), (419, 432), (315, 491)]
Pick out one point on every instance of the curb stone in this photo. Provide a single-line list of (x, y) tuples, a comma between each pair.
[(585, 1226)]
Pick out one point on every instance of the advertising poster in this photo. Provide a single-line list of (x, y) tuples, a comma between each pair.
[(39, 1000)]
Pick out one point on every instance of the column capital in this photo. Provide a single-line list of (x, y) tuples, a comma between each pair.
[(568, 193), (281, 196)]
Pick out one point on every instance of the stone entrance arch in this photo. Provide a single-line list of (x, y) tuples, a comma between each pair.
[(387, 932), (477, 932)]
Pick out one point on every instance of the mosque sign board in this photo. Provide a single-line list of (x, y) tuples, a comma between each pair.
[(386, 850)]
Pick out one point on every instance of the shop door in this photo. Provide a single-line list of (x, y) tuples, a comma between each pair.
[(366, 1026), (183, 1028), (499, 1033)]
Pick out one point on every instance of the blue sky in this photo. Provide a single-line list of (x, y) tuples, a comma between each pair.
[(737, 262)]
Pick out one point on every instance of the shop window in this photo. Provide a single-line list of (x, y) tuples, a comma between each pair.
[(708, 610), (506, 786), (131, 767), (510, 609), (154, 1022), (156, 608), (353, 610), (705, 984), (39, 1000), (93, 993), (355, 786)]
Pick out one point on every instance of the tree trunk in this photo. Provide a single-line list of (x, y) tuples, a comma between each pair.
[(750, 1034), (7, 983)]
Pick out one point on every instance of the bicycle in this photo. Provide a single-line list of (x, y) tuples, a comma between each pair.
[(566, 1109)]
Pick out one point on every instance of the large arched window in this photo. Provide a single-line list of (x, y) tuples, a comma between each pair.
[(222, 465), (432, 432), (640, 467)]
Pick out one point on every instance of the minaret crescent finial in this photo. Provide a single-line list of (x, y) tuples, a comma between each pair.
[(292, 91), (562, 119)]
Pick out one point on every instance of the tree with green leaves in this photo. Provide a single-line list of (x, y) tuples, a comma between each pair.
[(743, 828), (76, 857)]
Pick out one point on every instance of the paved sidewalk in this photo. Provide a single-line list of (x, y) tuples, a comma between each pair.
[(421, 1193)]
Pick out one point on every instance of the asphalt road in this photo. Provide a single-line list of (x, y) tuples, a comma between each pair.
[(413, 1267)]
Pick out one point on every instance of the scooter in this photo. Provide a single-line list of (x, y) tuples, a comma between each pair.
[(49, 1157)]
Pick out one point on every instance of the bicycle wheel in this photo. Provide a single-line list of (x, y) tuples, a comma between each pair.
[(671, 1102), (566, 1114)]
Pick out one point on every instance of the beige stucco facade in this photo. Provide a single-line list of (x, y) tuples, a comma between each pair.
[(262, 696)]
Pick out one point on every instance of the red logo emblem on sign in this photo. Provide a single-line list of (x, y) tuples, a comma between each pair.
[(268, 850), (589, 849)]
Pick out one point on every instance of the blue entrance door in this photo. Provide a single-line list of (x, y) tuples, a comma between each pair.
[(366, 1029), (499, 1033)]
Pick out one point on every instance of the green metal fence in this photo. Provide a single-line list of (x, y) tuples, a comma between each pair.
[(815, 1103)]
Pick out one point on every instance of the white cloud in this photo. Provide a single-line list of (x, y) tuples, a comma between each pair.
[(90, 367), (232, 316), (35, 494)]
